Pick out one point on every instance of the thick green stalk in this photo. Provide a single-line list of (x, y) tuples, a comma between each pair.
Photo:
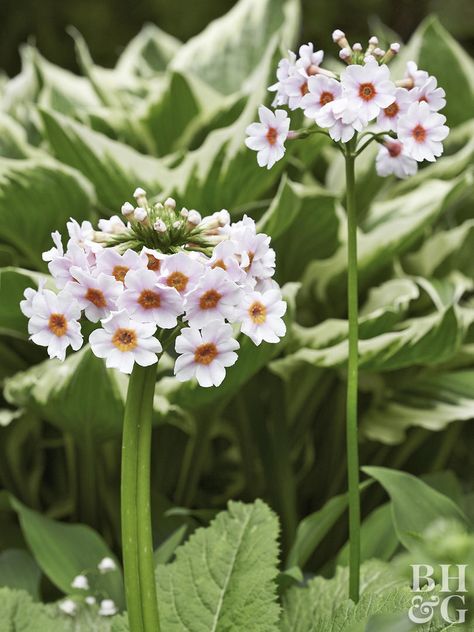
[(140, 590), (352, 378)]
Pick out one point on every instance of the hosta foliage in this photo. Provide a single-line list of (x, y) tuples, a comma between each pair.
[(171, 117)]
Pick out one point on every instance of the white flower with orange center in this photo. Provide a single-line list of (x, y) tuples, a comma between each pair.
[(112, 263), (154, 259), (226, 256), (205, 354), (422, 131), (182, 272), (215, 297), (392, 159), (429, 93), (149, 301), (322, 90), (296, 86), (268, 137), (60, 266), (309, 59), (123, 341), (341, 121), (368, 88), (96, 295), (54, 323), (256, 256), (387, 120), (261, 316)]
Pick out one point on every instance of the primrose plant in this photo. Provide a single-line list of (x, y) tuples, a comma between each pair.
[(360, 105), (155, 277)]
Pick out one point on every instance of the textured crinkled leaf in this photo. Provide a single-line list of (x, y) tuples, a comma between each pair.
[(227, 51), (38, 196), (114, 168), (224, 576)]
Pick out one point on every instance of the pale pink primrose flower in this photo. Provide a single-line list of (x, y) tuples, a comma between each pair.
[(261, 316), (422, 131), (123, 341), (387, 119), (26, 305), (268, 137), (112, 263), (215, 297), (257, 258), (322, 90), (429, 92), (181, 271), (205, 354), (154, 259), (391, 159), (60, 266), (96, 295), (340, 120), (368, 88), (226, 256), (296, 86), (54, 323), (309, 59), (112, 226), (286, 67), (417, 77), (148, 301), (57, 250)]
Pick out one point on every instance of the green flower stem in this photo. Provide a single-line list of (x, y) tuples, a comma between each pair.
[(352, 377), (140, 589)]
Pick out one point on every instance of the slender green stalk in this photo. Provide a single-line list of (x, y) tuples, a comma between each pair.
[(352, 378), (137, 542)]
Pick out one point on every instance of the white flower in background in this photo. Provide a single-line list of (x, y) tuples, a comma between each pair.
[(97, 295), (429, 93), (57, 250), (54, 323), (286, 67), (257, 258), (112, 226), (107, 565), (387, 120), (214, 297), (321, 91), (226, 256), (148, 301), (80, 582), (391, 159), (181, 272), (112, 263), (68, 606), (417, 77), (90, 600), (261, 316), (123, 341), (80, 233), (205, 354), (309, 59), (422, 131), (60, 266), (368, 88), (107, 608), (268, 136), (295, 87)]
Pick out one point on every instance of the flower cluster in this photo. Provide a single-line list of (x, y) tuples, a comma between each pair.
[(157, 273), (82, 592), (403, 116)]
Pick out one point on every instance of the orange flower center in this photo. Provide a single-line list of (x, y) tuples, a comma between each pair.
[(178, 280), (422, 99), (153, 263), (367, 91), (219, 264), (392, 110), (96, 297), (419, 133), (326, 97), (149, 299), (209, 299), (57, 324), (272, 135), (258, 312), (205, 353), (304, 88), (125, 339), (119, 272)]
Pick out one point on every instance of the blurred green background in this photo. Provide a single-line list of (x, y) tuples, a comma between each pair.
[(108, 25)]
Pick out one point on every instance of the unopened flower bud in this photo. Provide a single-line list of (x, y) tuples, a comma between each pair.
[(170, 203), (107, 608), (223, 217), (368, 58), (339, 38), (127, 209), (140, 214), (80, 582), (184, 212), (374, 41), (68, 606), (139, 192), (106, 565), (176, 224), (90, 600), (392, 51), (357, 47), (395, 48), (159, 206), (345, 54), (194, 218), (159, 226)]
